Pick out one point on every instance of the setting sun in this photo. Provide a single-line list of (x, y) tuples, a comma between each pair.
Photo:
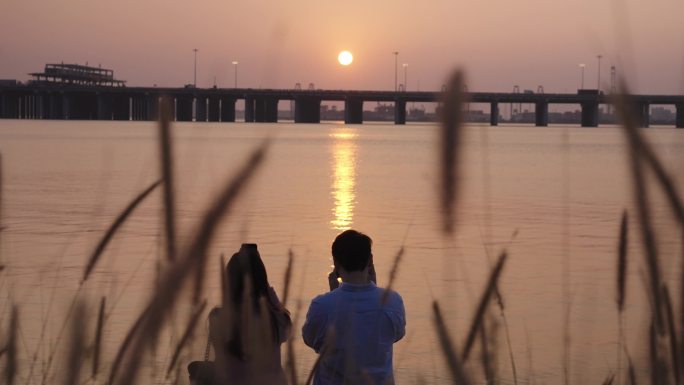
[(345, 58)]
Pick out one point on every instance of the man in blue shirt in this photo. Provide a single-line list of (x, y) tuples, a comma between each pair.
[(354, 326)]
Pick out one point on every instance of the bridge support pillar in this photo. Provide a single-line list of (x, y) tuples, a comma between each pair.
[(138, 107), (307, 110), (214, 109), (249, 110), (200, 109), (590, 114), (266, 110), (271, 110), (9, 106), (643, 114), (679, 120), (541, 114), (54, 108), (353, 111), (227, 109), (399, 112), (121, 107), (104, 107), (494, 114), (184, 108), (152, 106), (82, 106)]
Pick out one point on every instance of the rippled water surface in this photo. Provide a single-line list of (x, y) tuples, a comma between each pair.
[(540, 193)]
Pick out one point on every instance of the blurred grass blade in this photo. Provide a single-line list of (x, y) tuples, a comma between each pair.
[(482, 307), (290, 364), (609, 380), (186, 336), (76, 345), (192, 260), (448, 349), (125, 344), (11, 366), (450, 146), (114, 227), (622, 262), (672, 331), (166, 165), (97, 348), (288, 277), (393, 274)]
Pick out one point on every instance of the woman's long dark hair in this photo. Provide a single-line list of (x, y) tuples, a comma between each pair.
[(245, 267)]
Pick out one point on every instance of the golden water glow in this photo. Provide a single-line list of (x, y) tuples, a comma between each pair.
[(344, 178)]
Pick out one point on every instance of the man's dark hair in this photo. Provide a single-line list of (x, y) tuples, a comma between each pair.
[(352, 250)]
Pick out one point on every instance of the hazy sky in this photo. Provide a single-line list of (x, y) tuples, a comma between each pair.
[(500, 43)]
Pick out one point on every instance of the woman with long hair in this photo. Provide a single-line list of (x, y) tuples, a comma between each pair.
[(251, 324)]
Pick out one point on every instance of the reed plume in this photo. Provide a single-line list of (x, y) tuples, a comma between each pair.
[(450, 148), (109, 234), (623, 103)]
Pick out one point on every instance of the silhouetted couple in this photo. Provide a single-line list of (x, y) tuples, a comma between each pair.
[(352, 328)]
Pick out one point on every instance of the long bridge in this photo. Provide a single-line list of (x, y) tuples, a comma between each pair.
[(79, 102)]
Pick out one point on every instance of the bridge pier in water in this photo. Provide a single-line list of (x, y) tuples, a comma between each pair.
[(152, 105), (679, 119), (353, 111), (590, 114), (643, 113), (200, 109), (184, 108), (494, 114), (227, 109), (400, 112), (266, 110), (214, 109), (541, 114), (249, 110), (307, 110)]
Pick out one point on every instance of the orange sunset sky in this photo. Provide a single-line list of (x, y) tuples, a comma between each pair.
[(500, 43)]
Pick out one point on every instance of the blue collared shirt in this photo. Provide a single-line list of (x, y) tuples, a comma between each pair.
[(354, 331)]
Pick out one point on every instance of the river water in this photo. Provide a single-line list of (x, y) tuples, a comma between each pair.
[(552, 197)]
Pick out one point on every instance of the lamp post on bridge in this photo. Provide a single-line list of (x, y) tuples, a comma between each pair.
[(194, 81), (582, 66), (405, 65), (235, 64), (598, 85), (396, 58)]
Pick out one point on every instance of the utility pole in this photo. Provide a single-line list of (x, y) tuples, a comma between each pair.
[(194, 82), (396, 58)]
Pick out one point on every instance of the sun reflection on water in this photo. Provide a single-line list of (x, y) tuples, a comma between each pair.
[(344, 177)]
